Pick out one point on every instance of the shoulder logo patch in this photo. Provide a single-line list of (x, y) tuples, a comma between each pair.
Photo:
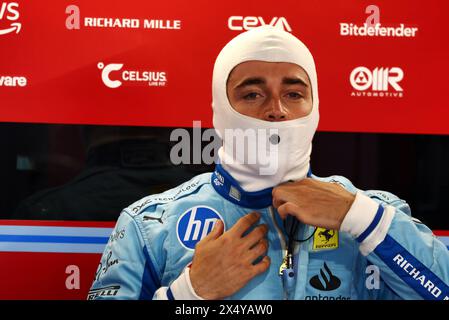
[(196, 223)]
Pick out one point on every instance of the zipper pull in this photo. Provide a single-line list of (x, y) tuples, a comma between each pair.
[(284, 265), (287, 263)]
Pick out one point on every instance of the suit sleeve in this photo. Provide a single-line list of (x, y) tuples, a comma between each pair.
[(413, 263), (128, 270)]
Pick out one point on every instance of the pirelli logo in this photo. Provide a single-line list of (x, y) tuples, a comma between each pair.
[(103, 292)]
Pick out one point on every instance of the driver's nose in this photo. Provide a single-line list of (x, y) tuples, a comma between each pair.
[(275, 111)]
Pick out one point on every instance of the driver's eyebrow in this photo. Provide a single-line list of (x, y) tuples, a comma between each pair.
[(295, 80), (259, 80), (251, 81)]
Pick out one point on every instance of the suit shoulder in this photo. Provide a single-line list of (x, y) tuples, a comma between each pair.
[(379, 196), (182, 191), (389, 198)]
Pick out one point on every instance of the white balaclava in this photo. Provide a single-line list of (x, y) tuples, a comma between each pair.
[(292, 152)]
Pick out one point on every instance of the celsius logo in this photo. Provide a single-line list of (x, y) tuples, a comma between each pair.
[(153, 78), (377, 82), (239, 23), (327, 282), (194, 224), (10, 11)]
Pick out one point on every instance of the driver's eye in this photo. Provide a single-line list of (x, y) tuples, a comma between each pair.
[(251, 96), (294, 95)]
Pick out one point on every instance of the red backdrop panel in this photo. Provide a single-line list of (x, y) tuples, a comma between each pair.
[(64, 83)]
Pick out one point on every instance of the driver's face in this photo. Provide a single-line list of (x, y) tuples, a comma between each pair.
[(271, 91)]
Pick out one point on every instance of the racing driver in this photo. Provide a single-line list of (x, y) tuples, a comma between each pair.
[(262, 226)]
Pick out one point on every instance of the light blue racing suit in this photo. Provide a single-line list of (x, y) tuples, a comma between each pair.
[(380, 252)]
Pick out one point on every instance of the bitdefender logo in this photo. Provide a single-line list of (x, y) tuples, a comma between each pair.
[(353, 30), (240, 23), (9, 13), (121, 75), (378, 82), (373, 28)]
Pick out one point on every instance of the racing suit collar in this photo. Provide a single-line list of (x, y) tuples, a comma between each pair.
[(229, 188)]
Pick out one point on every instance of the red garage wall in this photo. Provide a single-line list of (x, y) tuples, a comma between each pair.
[(57, 260), (160, 55)]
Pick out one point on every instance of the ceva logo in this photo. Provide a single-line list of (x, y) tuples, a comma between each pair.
[(9, 11), (194, 224), (239, 23)]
